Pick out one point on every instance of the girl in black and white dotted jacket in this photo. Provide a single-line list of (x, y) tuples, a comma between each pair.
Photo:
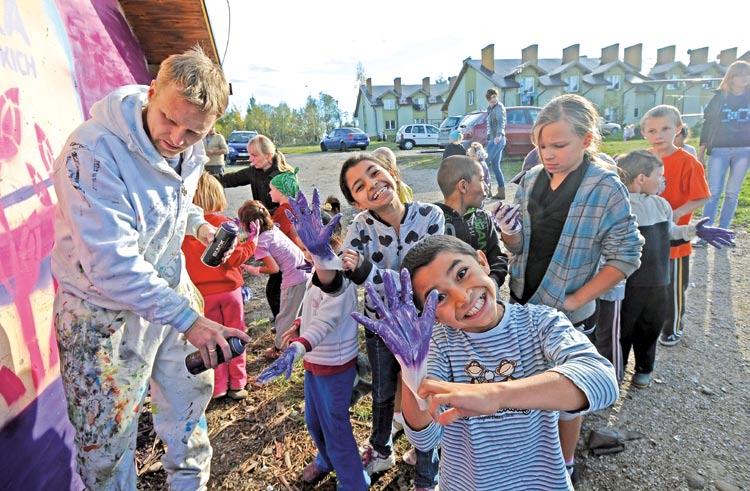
[(377, 240)]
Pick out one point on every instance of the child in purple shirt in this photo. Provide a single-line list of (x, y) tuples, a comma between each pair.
[(278, 253)]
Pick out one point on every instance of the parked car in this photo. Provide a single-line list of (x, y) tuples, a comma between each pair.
[(417, 135), (449, 124), (608, 127), (345, 138), (237, 143), (519, 120)]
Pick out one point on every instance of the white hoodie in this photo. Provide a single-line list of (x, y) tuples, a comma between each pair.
[(123, 213)]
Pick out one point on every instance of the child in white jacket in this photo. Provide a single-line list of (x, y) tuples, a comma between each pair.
[(326, 335)]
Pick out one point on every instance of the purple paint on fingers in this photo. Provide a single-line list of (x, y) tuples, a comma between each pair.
[(311, 231)]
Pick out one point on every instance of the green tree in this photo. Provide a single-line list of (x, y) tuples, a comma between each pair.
[(311, 123), (230, 121), (329, 111), (258, 117)]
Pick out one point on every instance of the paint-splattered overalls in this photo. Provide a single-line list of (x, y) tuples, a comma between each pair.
[(124, 298)]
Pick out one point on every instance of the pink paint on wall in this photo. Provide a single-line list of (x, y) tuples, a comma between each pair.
[(105, 52)]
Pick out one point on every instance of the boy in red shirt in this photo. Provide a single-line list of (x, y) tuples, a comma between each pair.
[(686, 190), (221, 286)]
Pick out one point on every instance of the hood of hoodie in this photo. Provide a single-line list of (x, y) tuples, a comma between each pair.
[(121, 112)]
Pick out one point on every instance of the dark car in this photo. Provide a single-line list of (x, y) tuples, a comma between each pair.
[(519, 120), (343, 139), (237, 143)]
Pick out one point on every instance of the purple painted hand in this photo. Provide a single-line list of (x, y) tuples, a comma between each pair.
[(508, 218), (311, 231), (283, 364), (406, 333), (717, 237)]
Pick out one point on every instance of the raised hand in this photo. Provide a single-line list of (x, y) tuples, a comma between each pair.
[(283, 364), (508, 218), (717, 237), (404, 331), (311, 231)]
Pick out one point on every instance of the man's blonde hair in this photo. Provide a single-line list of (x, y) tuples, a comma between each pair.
[(209, 194), (666, 111), (200, 81)]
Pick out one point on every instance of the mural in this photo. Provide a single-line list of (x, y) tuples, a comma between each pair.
[(56, 60)]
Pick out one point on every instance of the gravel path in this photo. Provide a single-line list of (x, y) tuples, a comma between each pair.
[(696, 415)]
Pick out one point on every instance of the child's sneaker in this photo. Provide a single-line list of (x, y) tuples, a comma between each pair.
[(641, 380), (670, 340), (375, 463), (237, 394), (312, 474)]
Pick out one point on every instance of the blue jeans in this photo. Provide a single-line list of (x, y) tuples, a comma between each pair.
[(385, 373), (327, 418), (495, 153), (736, 161)]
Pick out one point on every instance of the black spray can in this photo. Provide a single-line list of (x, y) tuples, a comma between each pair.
[(194, 362), (223, 240)]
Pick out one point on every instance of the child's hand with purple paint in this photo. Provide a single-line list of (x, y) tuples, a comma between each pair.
[(508, 218), (406, 333), (311, 231), (717, 237), (283, 364)]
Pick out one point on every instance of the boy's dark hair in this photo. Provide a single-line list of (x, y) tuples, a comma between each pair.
[(490, 92), (426, 250), (337, 239), (332, 204), (252, 210), (452, 170), (636, 163)]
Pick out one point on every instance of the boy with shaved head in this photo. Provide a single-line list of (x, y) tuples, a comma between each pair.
[(461, 181)]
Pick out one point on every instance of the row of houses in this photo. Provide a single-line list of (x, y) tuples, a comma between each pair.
[(618, 87)]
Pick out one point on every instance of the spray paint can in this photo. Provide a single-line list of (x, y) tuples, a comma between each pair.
[(223, 240), (194, 361)]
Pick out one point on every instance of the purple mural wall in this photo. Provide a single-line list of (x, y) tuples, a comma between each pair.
[(56, 60)]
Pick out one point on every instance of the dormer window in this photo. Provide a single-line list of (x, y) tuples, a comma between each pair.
[(573, 83), (614, 82)]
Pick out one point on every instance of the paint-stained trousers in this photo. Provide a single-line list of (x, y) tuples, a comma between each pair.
[(107, 361)]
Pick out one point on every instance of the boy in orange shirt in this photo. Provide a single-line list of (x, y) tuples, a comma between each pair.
[(686, 190)]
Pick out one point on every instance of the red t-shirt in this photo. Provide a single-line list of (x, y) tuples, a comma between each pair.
[(279, 218), (223, 278), (685, 181)]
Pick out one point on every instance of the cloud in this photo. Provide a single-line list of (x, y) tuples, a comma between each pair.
[(262, 69)]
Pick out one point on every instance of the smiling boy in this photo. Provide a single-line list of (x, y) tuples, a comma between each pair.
[(543, 366)]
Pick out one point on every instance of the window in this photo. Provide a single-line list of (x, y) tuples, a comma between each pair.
[(471, 98), (389, 104), (407, 129), (417, 129), (672, 85), (635, 112), (516, 117), (710, 85), (390, 124), (614, 82), (573, 83), (533, 113), (432, 130), (526, 91), (419, 104), (419, 120)]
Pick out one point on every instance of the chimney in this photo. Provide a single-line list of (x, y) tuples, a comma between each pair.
[(529, 54), (426, 85), (369, 86), (610, 53), (488, 58), (634, 55), (571, 53), (451, 81), (698, 56), (665, 55), (727, 56), (397, 85)]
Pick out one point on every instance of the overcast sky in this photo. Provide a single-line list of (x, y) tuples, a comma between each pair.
[(284, 51)]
